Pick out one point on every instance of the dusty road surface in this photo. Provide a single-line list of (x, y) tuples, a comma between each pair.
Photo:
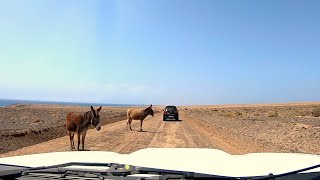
[(288, 128), (158, 133)]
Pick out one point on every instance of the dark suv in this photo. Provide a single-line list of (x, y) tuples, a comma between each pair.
[(170, 112)]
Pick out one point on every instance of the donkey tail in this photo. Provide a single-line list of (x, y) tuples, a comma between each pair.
[(128, 116), (128, 113)]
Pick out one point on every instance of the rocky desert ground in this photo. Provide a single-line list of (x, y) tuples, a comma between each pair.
[(236, 129)]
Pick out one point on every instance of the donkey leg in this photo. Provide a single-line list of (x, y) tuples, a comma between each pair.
[(141, 125), (71, 135), (83, 138), (78, 134), (130, 124), (70, 141)]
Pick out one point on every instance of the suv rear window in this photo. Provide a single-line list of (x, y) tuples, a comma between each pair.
[(171, 108)]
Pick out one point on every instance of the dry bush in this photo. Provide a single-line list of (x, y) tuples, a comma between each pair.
[(36, 121), (302, 113), (226, 113), (316, 112), (238, 113), (231, 114), (273, 114), (256, 114)]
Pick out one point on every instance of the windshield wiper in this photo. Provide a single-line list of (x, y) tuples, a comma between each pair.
[(271, 176), (114, 171), (122, 171), (64, 170), (11, 170)]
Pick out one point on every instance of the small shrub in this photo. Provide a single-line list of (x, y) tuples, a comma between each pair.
[(238, 113), (273, 114), (301, 113), (316, 112), (36, 120), (227, 114), (256, 114)]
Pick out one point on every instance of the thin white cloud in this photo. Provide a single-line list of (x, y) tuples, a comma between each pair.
[(81, 92)]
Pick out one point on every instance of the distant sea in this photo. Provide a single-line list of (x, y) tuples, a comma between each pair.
[(8, 102)]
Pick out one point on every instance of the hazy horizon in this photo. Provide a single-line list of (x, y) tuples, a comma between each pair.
[(137, 104), (160, 52)]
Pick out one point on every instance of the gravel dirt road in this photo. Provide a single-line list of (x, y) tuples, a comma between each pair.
[(235, 130), (158, 133)]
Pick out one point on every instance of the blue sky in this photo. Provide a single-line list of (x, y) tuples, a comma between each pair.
[(161, 52)]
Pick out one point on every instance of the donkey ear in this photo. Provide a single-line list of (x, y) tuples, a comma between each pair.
[(99, 109), (151, 105), (93, 111)]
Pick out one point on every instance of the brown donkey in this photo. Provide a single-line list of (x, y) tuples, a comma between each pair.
[(79, 124), (134, 114)]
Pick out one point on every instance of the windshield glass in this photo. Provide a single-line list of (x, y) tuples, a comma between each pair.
[(118, 76), (171, 108)]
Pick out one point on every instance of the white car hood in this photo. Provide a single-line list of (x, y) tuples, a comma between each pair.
[(208, 161)]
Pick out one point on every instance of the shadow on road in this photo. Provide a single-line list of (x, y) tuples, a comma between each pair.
[(81, 150), (146, 131), (173, 120)]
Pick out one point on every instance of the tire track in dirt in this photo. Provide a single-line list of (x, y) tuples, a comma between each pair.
[(210, 135), (134, 140), (175, 134)]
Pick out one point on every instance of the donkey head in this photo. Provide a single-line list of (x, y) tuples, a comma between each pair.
[(150, 110), (96, 118)]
